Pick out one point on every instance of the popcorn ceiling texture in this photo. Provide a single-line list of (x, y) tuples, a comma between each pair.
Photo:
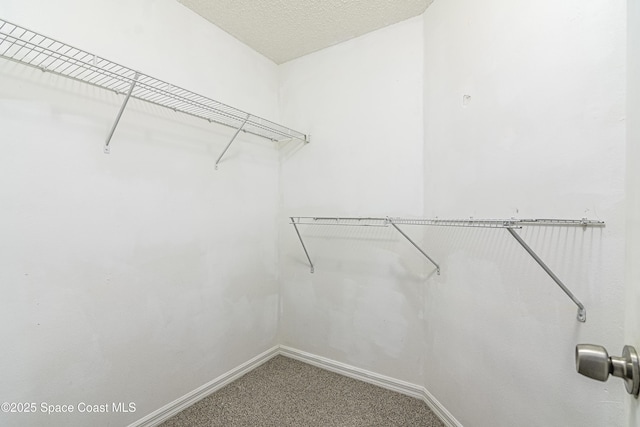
[(283, 30)]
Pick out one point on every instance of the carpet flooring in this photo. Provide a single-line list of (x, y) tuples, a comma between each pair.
[(285, 392)]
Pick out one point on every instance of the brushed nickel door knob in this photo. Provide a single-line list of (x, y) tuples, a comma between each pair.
[(593, 361)]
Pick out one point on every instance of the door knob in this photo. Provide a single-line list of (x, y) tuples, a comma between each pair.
[(593, 361)]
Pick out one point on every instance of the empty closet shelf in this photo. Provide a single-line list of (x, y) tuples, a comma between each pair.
[(510, 224), (44, 53)]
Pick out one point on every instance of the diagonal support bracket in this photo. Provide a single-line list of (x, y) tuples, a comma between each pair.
[(302, 242), (107, 149), (582, 312), (415, 245), (232, 139)]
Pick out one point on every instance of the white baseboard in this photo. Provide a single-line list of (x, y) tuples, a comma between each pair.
[(413, 390), (437, 408), (353, 372), (161, 415), (403, 387)]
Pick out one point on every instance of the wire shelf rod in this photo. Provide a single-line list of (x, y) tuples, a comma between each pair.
[(77, 62), (499, 223), (358, 221), (342, 224), (481, 223), (510, 225), (30, 48)]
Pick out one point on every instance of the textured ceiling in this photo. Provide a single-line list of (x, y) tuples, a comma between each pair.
[(286, 29)]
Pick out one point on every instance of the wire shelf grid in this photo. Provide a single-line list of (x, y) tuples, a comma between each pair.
[(30, 48), (510, 225), (471, 222), (345, 222)]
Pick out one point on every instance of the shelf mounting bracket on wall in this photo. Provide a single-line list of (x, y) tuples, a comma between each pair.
[(232, 139), (107, 149), (302, 242), (415, 245), (582, 312)]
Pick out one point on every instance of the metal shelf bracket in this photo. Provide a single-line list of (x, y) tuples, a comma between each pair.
[(232, 139), (582, 312), (415, 245), (302, 242), (107, 149)]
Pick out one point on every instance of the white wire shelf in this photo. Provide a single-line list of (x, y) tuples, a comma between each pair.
[(336, 221), (36, 50), (510, 225), (471, 222)]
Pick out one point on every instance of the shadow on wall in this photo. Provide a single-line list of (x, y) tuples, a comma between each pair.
[(568, 251), (491, 262)]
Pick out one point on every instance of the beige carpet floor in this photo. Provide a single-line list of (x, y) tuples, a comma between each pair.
[(286, 392)]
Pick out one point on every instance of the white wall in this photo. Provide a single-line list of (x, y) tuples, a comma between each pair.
[(632, 277), (141, 275), (361, 101), (542, 135)]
